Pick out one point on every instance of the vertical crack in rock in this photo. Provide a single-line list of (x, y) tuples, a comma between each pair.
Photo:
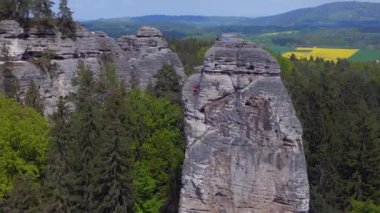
[(244, 142)]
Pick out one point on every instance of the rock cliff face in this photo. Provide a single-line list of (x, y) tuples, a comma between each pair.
[(140, 56), (146, 52), (244, 142)]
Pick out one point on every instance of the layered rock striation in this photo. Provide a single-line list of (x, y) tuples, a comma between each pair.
[(42, 55), (244, 142), (145, 52)]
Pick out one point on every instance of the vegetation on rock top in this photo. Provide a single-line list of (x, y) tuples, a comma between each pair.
[(39, 13)]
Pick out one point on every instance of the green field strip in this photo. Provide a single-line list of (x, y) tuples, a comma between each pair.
[(280, 49), (365, 56)]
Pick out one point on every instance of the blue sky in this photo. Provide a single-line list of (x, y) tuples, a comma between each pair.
[(94, 9)]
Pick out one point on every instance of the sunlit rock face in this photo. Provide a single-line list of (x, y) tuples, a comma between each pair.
[(137, 58), (244, 142), (145, 54)]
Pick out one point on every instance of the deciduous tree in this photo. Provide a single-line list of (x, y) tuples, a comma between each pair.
[(23, 143)]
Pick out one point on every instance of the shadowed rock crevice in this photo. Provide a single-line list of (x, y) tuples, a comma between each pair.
[(244, 142)]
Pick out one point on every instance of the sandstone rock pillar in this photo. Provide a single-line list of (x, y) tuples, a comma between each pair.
[(244, 142)]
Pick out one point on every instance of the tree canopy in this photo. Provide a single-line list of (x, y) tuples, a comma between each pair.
[(39, 12), (159, 151), (117, 151), (23, 143), (364, 207), (338, 105)]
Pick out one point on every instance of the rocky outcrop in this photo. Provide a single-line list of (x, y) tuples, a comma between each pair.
[(146, 52), (244, 142), (137, 58)]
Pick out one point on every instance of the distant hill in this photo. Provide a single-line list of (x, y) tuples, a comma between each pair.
[(194, 20), (339, 13), (346, 14), (358, 20), (333, 14), (179, 25)]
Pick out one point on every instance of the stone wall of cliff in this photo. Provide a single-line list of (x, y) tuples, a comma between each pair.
[(139, 56), (244, 142)]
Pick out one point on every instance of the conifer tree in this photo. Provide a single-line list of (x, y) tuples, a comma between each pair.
[(64, 10), (360, 157), (364, 207), (25, 196), (11, 85), (4, 57), (42, 10), (58, 174), (338, 107), (134, 81), (33, 99), (23, 10), (4, 52), (115, 193), (7, 9), (168, 84), (65, 20), (86, 136)]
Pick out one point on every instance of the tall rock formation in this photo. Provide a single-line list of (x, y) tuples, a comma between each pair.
[(244, 142), (145, 52), (51, 62)]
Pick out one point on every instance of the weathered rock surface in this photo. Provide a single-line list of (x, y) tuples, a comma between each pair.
[(149, 32), (244, 142), (146, 53), (136, 57)]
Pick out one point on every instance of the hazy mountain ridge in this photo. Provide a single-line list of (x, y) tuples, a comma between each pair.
[(352, 24), (195, 20), (332, 14)]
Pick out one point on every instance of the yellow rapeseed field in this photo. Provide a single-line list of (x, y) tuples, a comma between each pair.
[(325, 53)]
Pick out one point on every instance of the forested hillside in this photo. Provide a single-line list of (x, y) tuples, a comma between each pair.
[(136, 136), (112, 149), (337, 14), (105, 149), (338, 105), (118, 151)]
